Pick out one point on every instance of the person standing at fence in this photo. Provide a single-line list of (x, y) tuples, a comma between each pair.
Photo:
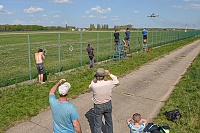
[(102, 93), (65, 114), (39, 56), (116, 35), (126, 40), (90, 51), (144, 33)]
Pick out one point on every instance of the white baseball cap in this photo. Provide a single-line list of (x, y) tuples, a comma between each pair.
[(64, 88)]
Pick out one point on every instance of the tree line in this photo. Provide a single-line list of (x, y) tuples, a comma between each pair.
[(20, 27)]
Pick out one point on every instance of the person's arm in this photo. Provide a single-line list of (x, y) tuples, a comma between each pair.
[(43, 56), (113, 77), (144, 121), (128, 120), (77, 126), (54, 88)]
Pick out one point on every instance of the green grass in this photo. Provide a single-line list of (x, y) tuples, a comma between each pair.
[(186, 98), (24, 101), (15, 58)]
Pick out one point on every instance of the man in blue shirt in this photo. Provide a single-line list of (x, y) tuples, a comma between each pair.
[(126, 42), (127, 37), (65, 115), (144, 33)]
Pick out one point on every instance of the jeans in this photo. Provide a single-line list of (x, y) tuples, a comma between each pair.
[(117, 46), (92, 62), (105, 110)]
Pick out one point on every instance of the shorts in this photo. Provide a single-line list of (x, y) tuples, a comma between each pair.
[(144, 37), (126, 38), (40, 68)]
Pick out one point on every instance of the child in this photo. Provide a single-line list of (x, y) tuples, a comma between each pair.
[(136, 124)]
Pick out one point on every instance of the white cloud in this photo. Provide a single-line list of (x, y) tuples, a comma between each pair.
[(56, 16), (4, 11), (193, 6), (91, 16), (115, 18), (17, 21), (61, 1), (98, 9), (103, 17), (31, 15), (87, 12), (33, 9), (135, 11), (36, 21), (190, 6), (190, 0), (1, 7), (175, 6)]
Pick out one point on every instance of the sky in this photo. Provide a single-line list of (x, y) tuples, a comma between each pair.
[(82, 13)]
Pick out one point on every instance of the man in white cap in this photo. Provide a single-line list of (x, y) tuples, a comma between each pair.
[(65, 114), (102, 93)]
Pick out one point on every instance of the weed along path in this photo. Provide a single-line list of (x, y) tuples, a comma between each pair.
[(144, 90)]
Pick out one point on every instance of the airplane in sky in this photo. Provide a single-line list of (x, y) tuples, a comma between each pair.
[(153, 15)]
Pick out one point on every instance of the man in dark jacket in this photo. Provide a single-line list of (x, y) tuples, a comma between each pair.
[(90, 51)]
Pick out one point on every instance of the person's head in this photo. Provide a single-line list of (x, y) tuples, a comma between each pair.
[(127, 28), (136, 117), (116, 30), (40, 50), (89, 45), (64, 89), (100, 74)]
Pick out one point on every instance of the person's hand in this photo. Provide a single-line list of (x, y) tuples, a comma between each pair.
[(61, 80), (128, 120), (108, 73), (44, 52)]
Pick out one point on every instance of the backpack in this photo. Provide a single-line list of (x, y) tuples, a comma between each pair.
[(154, 128), (173, 114)]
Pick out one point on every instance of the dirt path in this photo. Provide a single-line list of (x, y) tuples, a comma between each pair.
[(144, 91)]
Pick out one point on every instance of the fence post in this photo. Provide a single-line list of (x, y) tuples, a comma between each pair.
[(111, 45), (98, 47), (81, 47), (152, 38), (29, 58), (59, 53)]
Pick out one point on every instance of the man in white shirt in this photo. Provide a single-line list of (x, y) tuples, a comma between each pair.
[(102, 93)]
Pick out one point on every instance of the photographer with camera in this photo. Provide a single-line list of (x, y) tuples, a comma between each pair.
[(39, 56), (102, 92)]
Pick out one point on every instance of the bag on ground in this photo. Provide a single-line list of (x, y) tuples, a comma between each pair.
[(154, 128), (173, 114)]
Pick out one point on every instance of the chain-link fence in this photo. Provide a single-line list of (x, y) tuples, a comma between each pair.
[(67, 50)]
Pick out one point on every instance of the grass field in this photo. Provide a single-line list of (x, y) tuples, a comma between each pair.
[(24, 101), (16, 46)]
